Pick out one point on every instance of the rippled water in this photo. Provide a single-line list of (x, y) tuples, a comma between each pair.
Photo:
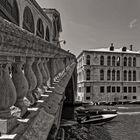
[(127, 124)]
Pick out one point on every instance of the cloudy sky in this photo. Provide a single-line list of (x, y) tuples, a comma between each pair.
[(91, 24)]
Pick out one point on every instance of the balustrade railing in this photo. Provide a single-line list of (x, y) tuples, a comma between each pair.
[(25, 70)]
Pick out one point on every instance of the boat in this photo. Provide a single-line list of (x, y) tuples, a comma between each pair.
[(96, 119), (94, 111)]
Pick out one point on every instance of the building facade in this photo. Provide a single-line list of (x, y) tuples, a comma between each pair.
[(27, 14), (109, 75)]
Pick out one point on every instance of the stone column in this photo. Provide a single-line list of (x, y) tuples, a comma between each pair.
[(31, 78), (7, 89), (47, 71), (51, 70), (44, 74), (38, 91), (20, 83)]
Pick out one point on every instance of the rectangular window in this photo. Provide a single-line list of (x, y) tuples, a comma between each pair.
[(134, 89), (87, 98), (108, 89), (118, 89), (79, 89), (125, 89), (129, 89), (113, 89), (88, 89), (102, 89), (124, 97), (134, 97)]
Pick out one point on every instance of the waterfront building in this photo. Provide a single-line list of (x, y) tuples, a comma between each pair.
[(109, 75)]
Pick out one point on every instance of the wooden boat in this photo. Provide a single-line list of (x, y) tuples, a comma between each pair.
[(96, 119)]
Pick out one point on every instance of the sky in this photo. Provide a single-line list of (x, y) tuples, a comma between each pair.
[(89, 24)]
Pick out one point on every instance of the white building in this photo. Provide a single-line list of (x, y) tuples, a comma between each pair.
[(109, 74)]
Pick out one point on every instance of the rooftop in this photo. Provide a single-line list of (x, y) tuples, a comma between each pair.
[(115, 50)]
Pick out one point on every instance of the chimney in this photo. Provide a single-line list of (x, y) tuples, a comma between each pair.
[(131, 48), (112, 47), (124, 49)]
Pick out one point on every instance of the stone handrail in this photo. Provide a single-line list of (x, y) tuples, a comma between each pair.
[(29, 67)]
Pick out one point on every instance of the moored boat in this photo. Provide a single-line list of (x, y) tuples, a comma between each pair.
[(96, 119), (82, 111)]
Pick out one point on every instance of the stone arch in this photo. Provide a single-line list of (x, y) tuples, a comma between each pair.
[(40, 28), (12, 11), (28, 20)]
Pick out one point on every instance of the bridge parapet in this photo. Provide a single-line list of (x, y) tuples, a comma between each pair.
[(33, 73)]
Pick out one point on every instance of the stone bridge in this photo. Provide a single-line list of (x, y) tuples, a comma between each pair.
[(37, 77)]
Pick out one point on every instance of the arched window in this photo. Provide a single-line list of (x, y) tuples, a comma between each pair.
[(134, 75), (125, 61), (113, 75), (88, 60), (40, 29), (101, 74), (125, 75), (129, 61), (118, 61), (28, 21), (102, 60), (108, 75), (118, 75), (9, 11), (47, 37), (129, 76), (113, 61), (134, 62), (108, 60), (88, 74)]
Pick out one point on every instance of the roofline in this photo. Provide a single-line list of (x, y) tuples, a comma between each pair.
[(40, 9), (56, 12), (107, 52)]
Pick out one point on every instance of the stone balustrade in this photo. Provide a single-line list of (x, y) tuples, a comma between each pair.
[(29, 67)]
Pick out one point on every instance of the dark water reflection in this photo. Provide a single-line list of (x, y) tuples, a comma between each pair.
[(127, 124)]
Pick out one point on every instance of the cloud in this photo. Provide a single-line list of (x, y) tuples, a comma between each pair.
[(133, 23)]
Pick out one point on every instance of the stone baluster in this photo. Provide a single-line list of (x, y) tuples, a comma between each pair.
[(47, 71), (38, 91), (31, 78), (20, 83), (7, 89), (44, 74)]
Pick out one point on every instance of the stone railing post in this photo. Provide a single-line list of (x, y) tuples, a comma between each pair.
[(7, 89), (47, 72), (31, 78), (37, 72), (51, 70), (20, 83), (43, 72)]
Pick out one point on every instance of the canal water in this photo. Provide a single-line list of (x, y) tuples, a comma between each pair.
[(126, 126)]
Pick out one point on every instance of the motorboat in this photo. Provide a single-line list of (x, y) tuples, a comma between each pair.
[(96, 119), (94, 111)]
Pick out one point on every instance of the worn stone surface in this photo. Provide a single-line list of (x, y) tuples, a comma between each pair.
[(6, 125), (51, 104), (40, 127), (14, 40)]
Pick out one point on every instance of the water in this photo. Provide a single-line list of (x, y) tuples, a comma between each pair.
[(127, 124)]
